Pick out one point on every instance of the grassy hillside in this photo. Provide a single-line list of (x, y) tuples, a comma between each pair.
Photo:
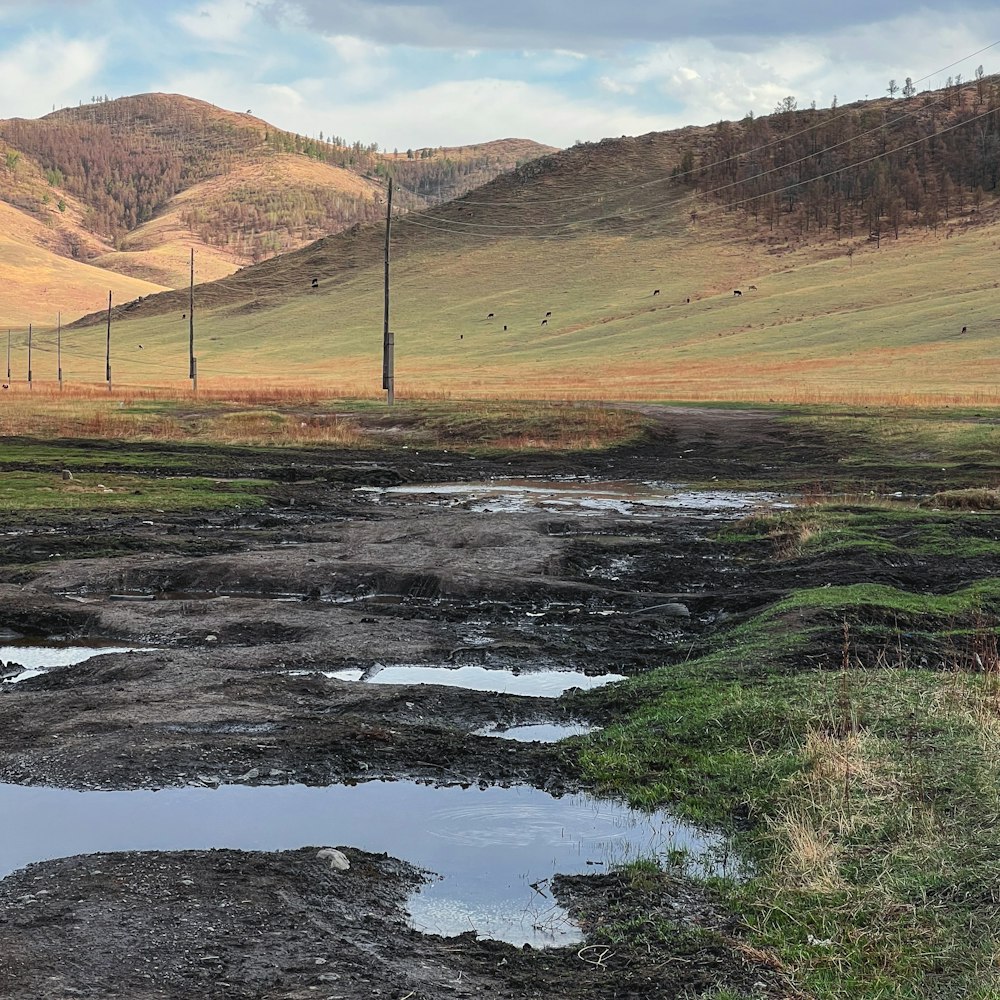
[(589, 235), (130, 185), (47, 283)]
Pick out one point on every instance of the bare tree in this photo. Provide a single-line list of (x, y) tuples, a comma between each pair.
[(980, 84), (908, 87), (893, 88)]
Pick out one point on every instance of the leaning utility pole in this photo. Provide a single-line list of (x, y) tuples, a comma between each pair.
[(388, 339), (107, 353), (59, 349), (8, 357), (29, 356), (193, 366)]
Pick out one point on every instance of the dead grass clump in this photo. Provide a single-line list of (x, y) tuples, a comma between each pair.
[(972, 499), (265, 427), (809, 858)]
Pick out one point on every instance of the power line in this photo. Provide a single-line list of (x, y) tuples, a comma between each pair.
[(460, 227), (718, 163)]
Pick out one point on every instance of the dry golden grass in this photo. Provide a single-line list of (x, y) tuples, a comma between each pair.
[(262, 414)]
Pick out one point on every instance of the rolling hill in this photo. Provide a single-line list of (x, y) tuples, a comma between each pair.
[(635, 248), (130, 185)]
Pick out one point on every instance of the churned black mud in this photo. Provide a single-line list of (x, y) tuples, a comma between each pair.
[(260, 637)]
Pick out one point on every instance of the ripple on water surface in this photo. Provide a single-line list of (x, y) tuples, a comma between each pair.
[(489, 847)]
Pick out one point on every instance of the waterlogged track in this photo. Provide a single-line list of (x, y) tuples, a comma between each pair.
[(435, 633)]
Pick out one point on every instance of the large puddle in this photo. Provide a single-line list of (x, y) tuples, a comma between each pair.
[(534, 683), (29, 659), (494, 850), (586, 498)]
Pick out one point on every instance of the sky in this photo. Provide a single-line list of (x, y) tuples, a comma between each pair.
[(412, 73)]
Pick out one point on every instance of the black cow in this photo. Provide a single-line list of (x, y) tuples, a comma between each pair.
[(656, 291), (736, 291)]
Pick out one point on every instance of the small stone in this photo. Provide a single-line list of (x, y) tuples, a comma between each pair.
[(211, 638), (250, 775)]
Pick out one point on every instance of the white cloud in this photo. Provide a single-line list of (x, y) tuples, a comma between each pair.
[(219, 22), (613, 86), (352, 49), (459, 112), (46, 70)]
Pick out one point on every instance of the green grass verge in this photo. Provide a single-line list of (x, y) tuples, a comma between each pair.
[(866, 798), (38, 491)]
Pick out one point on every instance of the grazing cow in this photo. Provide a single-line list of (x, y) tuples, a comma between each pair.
[(688, 301), (736, 291), (548, 314), (489, 315), (656, 291), (315, 283), (461, 336), (964, 328), (140, 347), (545, 322), (753, 288), (505, 328), (6, 386)]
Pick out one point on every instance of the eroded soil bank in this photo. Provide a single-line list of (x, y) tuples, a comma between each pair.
[(244, 615)]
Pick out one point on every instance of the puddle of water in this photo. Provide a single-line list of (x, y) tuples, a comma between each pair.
[(188, 595), (586, 499), (544, 732), (489, 846), (37, 658), (535, 683)]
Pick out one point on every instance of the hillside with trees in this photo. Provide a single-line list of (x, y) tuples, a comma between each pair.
[(126, 162), (864, 170)]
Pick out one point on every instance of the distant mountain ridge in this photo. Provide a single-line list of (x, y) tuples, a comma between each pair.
[(123, 183)]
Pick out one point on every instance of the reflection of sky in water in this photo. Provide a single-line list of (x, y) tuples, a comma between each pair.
[(536, 683), (514, 496), (489, 845), (543, 732), (39, 657)]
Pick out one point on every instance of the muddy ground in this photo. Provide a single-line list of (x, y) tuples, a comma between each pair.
[(252, 607)]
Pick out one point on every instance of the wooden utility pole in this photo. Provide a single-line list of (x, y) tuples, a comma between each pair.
[(107, 352), (29, 356), (193, 366), (59, 349), (388, 340), (8, 357)]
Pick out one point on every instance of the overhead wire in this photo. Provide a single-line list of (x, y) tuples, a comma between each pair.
[(449, 226), (460, 227), (718, 163)]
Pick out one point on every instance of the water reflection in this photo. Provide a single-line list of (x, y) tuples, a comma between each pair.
[(490, 846)]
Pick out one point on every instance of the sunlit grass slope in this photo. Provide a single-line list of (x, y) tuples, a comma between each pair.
[(41, 284), (886, 322)]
